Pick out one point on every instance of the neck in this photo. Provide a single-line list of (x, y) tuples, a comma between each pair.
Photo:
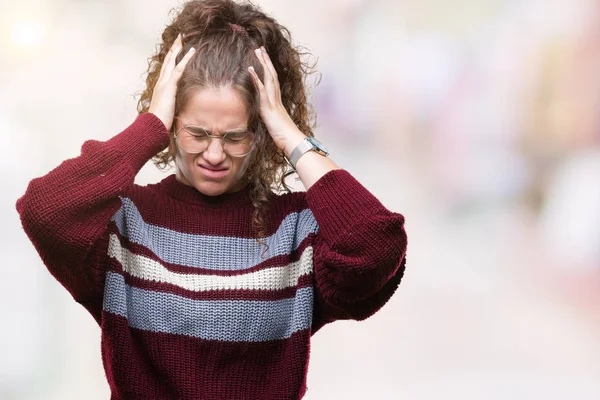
[(181, 189)]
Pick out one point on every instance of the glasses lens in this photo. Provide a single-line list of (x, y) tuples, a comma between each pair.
[(238, 144), (192, 140), (195, 140)]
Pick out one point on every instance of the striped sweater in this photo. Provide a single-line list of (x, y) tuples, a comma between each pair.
[(190, 304)]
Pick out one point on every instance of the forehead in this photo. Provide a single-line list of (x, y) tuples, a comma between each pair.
[(216, 109)]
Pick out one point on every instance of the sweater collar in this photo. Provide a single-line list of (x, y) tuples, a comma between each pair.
[(190, 194)]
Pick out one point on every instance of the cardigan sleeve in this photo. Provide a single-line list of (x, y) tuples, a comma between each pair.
[(66, 213), (359, 251)]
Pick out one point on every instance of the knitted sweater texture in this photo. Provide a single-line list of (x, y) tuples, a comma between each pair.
[(190, 304)]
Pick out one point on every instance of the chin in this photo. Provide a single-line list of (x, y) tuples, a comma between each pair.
[(211, 188)]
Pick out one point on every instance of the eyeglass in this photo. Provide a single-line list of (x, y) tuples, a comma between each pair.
[(195, 140)]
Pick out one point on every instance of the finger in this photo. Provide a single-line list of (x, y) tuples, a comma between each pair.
[(175, 48), (273, 72), (168, 62), (178, 71), (255, 79), (269, 80), (259, 85), (268, 62), (173, 52)]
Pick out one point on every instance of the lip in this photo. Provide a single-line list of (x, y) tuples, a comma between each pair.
[(212, 172)]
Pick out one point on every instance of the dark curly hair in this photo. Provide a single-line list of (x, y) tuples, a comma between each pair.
[(223, 54)]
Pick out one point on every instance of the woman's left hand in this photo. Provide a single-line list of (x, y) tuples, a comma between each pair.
[(280, 125)]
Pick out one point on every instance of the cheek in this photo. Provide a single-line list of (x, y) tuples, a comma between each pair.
[(240, 167), (184, 157), (184, 161)]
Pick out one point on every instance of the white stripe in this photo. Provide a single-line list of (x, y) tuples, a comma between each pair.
[(273, 278), (224, 253)]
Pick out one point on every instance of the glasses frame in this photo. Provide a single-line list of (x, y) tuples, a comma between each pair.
[(210, 138)]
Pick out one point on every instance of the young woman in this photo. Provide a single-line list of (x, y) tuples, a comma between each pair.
[(208, 285)]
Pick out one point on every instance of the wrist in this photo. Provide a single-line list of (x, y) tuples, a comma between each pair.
[(293, 140), (162, 119)]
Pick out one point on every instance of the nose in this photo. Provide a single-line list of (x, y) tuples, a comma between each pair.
[(214, 153)]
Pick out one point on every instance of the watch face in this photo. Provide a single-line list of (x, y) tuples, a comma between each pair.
[(317, 144)]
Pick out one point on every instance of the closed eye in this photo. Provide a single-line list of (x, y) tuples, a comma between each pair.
[(195, 131), (236, 136)]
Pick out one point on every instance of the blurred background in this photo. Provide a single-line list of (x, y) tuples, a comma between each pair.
[(479, 120)]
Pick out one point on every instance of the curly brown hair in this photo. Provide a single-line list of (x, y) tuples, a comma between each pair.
[(224, 52)]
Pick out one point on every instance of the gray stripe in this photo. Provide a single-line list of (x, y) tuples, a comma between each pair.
[(226, 320), (213, 252)]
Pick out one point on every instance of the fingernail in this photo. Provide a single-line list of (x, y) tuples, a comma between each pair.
[(257, 51)]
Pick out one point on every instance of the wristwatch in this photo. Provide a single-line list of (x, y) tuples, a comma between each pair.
[(308, 144)]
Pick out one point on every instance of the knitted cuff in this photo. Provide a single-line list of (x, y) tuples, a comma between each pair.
[(142, 140), (338, 201)]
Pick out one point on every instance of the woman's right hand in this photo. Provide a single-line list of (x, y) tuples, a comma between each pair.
[(163, 98)]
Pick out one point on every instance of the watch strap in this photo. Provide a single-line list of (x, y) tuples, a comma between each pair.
[(302, 148)]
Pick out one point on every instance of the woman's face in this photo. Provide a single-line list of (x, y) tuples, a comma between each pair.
[(213, 172)]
